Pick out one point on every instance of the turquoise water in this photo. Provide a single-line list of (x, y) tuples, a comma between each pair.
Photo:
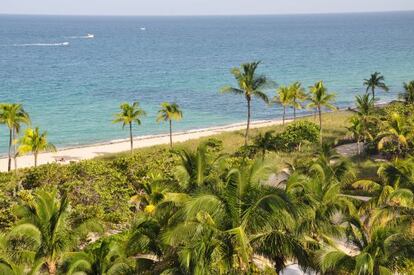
[(71, 85)]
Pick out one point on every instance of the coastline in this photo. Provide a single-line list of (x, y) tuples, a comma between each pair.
[(65, 155), (84, 152)]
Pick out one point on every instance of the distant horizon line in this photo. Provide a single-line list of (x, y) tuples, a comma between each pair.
[(205, 15)]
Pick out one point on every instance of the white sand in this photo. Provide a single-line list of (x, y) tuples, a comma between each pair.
[(90, 151)]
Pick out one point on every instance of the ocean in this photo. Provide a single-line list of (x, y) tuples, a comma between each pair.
[(72, 83)]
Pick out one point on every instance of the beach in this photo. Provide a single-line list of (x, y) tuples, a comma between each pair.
[(67, 155)]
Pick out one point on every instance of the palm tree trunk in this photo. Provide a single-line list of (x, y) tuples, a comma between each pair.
[(263, 154), (358, 147), (246, 136), (10, 146), (279, 264), (373, 94), (170, 133), (294, 109), (284, 115), (130, 137), (35, 159), (320, 122), (51, 267), (15, 151)]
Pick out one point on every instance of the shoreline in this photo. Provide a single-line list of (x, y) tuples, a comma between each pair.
[(90, 151), (65, 155)]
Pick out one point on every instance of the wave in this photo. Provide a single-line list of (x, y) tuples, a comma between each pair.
[(42, 44), (88, 36)]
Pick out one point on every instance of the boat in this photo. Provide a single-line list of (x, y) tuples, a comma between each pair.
[(89, 35)]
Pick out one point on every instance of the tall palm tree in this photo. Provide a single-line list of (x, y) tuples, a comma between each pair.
[(283, 98), (408, 94), (297, 95), (130, 114), (249, 85), (2, 121), (35, 142), (169, 112), (13, 116), (320, 98), (375, 81), (45, 229), (105, 259)]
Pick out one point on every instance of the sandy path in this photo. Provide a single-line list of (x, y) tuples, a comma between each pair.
[(90, 151)]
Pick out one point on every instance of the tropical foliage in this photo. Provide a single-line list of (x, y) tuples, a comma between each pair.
[(408, 94), (206, 208)]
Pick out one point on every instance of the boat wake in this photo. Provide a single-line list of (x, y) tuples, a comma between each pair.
[(88, 36), (42, 44)]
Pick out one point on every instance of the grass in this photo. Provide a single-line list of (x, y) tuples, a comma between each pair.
[(333, 124)]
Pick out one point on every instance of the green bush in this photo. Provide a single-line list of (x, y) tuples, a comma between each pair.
[(296, 135)]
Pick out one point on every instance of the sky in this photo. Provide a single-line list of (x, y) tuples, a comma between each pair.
[(198, 7)]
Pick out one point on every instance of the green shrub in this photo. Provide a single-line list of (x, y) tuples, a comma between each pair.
[(296, 135)]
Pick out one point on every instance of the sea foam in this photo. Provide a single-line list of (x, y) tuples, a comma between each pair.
[(88, 36), (42, 44)]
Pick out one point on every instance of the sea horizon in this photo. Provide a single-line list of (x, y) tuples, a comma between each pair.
[(72, 85), (206, 15)]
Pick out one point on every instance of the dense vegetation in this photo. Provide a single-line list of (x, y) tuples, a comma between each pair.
[(220, 205)]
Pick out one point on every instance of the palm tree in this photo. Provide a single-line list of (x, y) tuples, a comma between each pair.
[(365, 115), (374, 249), (365, 105), (357, 131), (35, 142), (375, 81), (13, 116), (319, 98), (224, 225), (105, 259), (249, 85), (396, 129), (169, 112), (408, 94), (150, 194), (297, 94), (8, 265), (45, 230), (196, 168), (265, 142), (128, 115), (283, 98), (146, 245), (398, 173)]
